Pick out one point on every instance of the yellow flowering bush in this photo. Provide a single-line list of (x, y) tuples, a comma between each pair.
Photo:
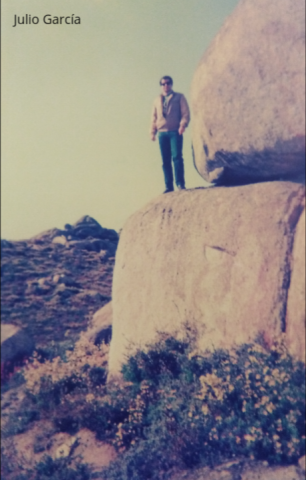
[(189, 408), (178, 406), (62, 388), (84, 354)]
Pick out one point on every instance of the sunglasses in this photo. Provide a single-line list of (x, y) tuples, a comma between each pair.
[(166, 83)]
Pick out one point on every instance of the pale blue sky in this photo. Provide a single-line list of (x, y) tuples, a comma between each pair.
[(76, 104)]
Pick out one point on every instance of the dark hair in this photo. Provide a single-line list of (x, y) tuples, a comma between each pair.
[(166, 77)]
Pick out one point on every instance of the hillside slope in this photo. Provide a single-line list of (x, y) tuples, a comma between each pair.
[(53, 283)]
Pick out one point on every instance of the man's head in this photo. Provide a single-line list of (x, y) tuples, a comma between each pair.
[(166, 83)]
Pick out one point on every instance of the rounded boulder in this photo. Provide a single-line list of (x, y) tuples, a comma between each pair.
[(248, 96)]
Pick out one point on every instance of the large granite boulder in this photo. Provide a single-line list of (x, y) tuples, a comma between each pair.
[(219, 258), (248, 95)]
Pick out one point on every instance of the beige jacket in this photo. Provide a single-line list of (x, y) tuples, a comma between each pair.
[(177, 114)]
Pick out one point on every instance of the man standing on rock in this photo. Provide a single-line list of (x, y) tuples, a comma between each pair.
[(170, 118)]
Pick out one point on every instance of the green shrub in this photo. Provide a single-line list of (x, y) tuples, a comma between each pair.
[(55, 349), (163, 359), (178, 408), (103, 418), (59, 469), (67, 423), (14, 381), (97, 376), (187, 408), (20, 422), (49, 469)]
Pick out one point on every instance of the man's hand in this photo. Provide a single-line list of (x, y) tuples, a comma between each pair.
[(153, 137), (181, 130)]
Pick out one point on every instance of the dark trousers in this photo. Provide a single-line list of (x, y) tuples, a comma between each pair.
[(171, 146)]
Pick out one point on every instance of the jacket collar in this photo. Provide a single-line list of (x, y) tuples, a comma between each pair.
[(170, 96), (162, 99)]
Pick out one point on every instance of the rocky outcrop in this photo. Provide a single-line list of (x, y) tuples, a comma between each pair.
[(248, 95), (85, 234), (219, 258)]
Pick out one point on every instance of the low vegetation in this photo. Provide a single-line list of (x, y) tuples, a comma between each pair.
[(177, 407)]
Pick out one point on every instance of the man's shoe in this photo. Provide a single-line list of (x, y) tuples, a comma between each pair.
[(180, 187), (168, 190)]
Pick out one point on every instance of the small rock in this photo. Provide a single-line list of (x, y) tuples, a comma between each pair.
[(272, 473), (302, 463), (221, 475), (230, 464), (61, 240), (101, 325), (71, 441), (62, 451), (68, 281), (8, 330), (56, 278), (14, 350), (16, 347), (44, 283)]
